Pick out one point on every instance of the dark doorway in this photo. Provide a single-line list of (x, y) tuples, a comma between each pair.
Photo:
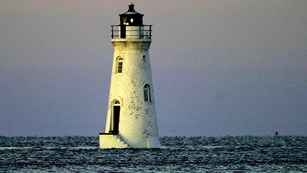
[(122, 31), (115, 125)]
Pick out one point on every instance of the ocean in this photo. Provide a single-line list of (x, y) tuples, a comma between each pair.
[(178, 154)]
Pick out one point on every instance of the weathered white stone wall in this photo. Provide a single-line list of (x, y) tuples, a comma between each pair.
[(138, 124)]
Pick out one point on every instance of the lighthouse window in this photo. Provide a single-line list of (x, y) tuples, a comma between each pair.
[(147, 94), (119, 65), (124, 20)]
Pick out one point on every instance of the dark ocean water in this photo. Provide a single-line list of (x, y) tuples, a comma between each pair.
[(178, 154)]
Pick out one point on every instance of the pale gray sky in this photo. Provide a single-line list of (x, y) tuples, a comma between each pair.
[(226, 67)]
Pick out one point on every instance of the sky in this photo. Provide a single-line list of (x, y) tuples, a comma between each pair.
[(220, 67)]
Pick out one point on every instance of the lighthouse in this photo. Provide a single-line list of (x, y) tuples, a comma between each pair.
[(131, 117)]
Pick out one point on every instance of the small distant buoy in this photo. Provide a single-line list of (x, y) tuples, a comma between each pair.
[(276, 133)]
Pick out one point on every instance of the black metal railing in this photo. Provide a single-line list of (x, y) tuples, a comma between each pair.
[(126, 31)]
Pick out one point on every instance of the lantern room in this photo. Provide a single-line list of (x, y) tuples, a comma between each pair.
[(131, 17), (131, 26)]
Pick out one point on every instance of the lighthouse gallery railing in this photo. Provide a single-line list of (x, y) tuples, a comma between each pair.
[(126, 31)]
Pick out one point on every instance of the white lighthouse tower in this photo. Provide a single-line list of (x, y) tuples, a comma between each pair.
[(131, 119)]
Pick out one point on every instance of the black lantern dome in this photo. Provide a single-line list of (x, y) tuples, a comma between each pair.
[(131, 26), (131, 17)]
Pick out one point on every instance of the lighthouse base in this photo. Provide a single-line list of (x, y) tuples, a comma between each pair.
[(109, 140)]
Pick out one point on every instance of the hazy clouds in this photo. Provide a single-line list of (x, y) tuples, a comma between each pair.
[(219, 67)]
